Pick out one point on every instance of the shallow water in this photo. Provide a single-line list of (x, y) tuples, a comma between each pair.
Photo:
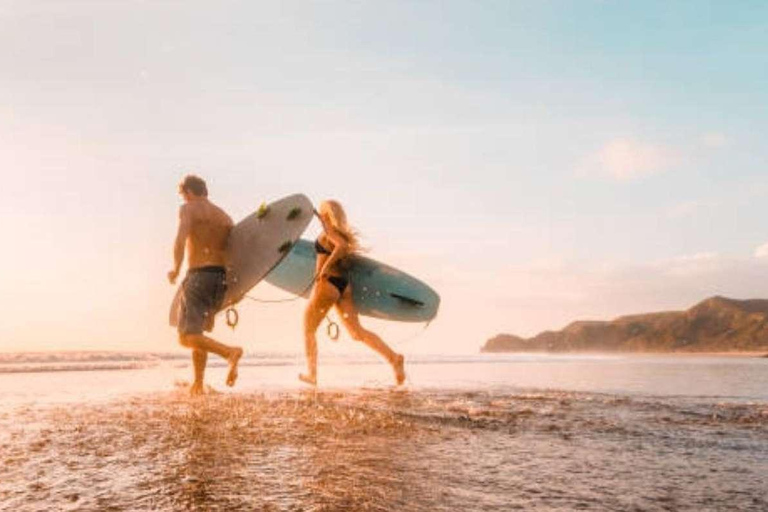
[(458, 437), (728, 378)]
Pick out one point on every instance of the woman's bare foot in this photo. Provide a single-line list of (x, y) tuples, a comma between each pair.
[(233, 359), (308, 379), (399, 366)]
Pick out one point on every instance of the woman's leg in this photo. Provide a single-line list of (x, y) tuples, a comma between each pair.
[(350, 318), (323, 297)]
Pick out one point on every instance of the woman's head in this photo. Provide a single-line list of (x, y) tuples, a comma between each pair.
[(332, 213)]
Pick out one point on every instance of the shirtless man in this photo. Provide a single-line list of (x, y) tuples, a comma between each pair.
[(204, 230)]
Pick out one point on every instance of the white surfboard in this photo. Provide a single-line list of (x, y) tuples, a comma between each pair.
[(257, 244)]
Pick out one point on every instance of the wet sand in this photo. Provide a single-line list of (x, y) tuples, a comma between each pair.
[(385, 450)]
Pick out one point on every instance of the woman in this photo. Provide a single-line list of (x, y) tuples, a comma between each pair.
[(332, 288)]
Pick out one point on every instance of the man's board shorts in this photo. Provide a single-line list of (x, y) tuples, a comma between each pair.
[(203, 294)]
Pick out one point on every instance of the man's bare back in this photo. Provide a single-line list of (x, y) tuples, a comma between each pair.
[(209, 231)]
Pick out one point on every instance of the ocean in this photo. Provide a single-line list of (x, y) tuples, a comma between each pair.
[(106, 431)]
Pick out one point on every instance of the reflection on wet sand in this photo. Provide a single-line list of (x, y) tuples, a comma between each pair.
[(385, 450)]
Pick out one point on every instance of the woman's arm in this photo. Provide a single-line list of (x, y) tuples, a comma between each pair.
[(340, 248)]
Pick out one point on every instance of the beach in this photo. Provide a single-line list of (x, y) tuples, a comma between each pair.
[(377, 447), (550, 215)]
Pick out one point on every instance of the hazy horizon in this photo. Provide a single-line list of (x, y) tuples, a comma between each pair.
[(535, 163)]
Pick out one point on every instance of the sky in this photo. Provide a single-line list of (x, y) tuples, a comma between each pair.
[(534, 162)]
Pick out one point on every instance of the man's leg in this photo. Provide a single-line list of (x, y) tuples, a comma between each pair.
[(203, 295), (202, 342), (206, 344), (199, 359)]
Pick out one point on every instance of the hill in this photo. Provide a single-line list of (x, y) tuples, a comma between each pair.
[(717, 324)]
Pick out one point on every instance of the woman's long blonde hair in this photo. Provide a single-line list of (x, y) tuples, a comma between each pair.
[(339, 222)]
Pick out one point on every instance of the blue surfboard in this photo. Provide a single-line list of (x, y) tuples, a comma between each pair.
[(378, 290)]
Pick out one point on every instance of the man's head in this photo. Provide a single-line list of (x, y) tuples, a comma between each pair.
[(193, 186)]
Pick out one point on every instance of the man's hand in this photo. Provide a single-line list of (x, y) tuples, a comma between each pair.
[(172, 275)]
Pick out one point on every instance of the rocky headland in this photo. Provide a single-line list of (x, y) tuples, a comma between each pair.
[(717, 324)]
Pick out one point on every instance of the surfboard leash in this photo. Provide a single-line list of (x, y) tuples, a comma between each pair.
[(280, 301), (233, 317)]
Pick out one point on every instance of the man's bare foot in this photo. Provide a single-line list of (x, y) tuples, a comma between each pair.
[(399, 367), (233, 359), (196, 389), (308, 379)]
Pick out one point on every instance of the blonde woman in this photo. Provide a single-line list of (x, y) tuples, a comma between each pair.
[(333, 289)]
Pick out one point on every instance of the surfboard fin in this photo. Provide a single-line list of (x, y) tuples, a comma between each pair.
[(407, 300)]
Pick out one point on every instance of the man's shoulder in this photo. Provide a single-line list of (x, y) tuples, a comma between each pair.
[(188, 209), (221, 211)]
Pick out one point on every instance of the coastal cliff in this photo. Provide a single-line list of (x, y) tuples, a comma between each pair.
[(717, 324)]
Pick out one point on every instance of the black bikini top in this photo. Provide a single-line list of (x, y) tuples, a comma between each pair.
[(319, 248)]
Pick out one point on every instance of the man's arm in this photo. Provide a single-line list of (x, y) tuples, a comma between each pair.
[(185, 223)]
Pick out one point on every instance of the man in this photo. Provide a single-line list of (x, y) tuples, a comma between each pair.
[(204, 230)]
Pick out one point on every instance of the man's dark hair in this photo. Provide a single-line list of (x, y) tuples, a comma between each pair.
[(194, 185)]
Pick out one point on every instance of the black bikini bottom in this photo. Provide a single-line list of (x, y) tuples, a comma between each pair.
[(339, 282)]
